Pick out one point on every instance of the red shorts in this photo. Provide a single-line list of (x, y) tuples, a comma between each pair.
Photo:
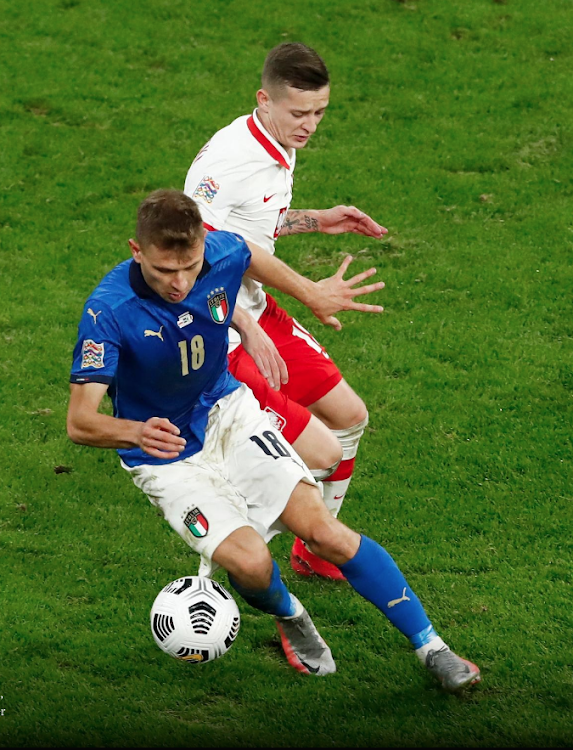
[(312, 374)]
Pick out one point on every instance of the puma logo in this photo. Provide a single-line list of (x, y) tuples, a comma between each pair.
[(93, 314), (158, 333), (403, 598)]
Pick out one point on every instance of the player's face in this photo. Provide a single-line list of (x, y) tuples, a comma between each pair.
[(290, 115), (170, 273)]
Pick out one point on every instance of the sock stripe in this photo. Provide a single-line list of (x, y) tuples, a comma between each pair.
[(344, 470)]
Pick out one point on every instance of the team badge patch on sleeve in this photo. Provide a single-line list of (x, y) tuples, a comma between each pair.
[(218, 305), (92, 354), (206, 190), (196, 523)]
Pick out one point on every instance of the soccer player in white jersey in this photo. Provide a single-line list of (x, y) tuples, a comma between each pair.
[(242, 180), (154, 336)]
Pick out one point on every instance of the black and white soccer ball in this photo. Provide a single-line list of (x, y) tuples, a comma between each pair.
[(195, 619)]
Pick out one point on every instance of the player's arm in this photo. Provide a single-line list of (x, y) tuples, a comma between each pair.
[(337, 220), (324, 298), (261, 347), (87, 426)]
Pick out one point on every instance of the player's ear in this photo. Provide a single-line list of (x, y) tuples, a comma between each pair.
[(135, 251), (263, 99)]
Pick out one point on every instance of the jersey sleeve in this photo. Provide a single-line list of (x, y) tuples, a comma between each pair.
[(216, 185), (228, 248), (96, 352), (245, 252)]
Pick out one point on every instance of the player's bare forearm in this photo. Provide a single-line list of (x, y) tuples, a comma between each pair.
[(337, 220), (300, 221), (103, 431), (271, 271), (258, 344), (240, 320), (87, 426)]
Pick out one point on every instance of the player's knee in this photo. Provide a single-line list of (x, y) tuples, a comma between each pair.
[(246, 557), (327, 459), (349, 437), (254, 569), (343, 411), (333, 541), (357, 414)]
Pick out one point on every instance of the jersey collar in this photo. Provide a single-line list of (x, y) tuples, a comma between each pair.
[(272, 147), (142, 288)]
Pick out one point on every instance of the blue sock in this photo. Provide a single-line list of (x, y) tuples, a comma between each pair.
[(275, 600), (374, 575)]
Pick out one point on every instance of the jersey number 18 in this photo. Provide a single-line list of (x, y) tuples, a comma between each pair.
[(197, 351)]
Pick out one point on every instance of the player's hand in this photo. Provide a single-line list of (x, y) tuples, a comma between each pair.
[(334, 294), (343, 219), (160, 438), (265, 354)]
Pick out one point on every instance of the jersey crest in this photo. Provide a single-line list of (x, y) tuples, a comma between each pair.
[(196, 523), (206, 190), (218, 305), (276, 420)]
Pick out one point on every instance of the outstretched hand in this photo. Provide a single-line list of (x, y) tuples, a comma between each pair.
[(334, 294), (343, 219)]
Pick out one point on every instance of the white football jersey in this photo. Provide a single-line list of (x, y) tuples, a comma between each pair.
[(242, 182)]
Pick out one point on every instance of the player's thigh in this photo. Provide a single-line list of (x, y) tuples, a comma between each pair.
[(286, 416), (307, 517), (311, 439), (260, 463), (340, 408), (319, 448), (312, 373), (314, 380), (195, 499), (245, 555)]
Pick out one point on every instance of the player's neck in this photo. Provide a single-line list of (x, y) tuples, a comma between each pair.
[(267, 125)]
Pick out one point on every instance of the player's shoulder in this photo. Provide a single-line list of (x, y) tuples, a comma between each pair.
[(114, 290), (227, 136), (231, 149), (219, 246)]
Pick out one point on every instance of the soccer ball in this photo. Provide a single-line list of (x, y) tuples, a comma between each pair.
[(194, 619)]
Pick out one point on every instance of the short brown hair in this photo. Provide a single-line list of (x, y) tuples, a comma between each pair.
[(294, 64), (170, 220)]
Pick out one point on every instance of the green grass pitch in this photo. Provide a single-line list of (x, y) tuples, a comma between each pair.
[(451, 123)]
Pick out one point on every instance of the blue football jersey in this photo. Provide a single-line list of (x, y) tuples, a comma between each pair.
[(163, 359)]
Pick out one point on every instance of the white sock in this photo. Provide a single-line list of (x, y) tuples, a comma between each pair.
[(336, 486), (434, 645)]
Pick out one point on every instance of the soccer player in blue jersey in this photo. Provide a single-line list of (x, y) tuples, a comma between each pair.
[(154, 335)]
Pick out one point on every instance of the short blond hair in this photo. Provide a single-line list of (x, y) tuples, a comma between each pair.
[(169, 220)]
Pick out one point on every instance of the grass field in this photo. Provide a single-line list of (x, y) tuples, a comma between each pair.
[(451, 122)]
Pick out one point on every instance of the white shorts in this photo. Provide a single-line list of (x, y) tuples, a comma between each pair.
[(244, 476)]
